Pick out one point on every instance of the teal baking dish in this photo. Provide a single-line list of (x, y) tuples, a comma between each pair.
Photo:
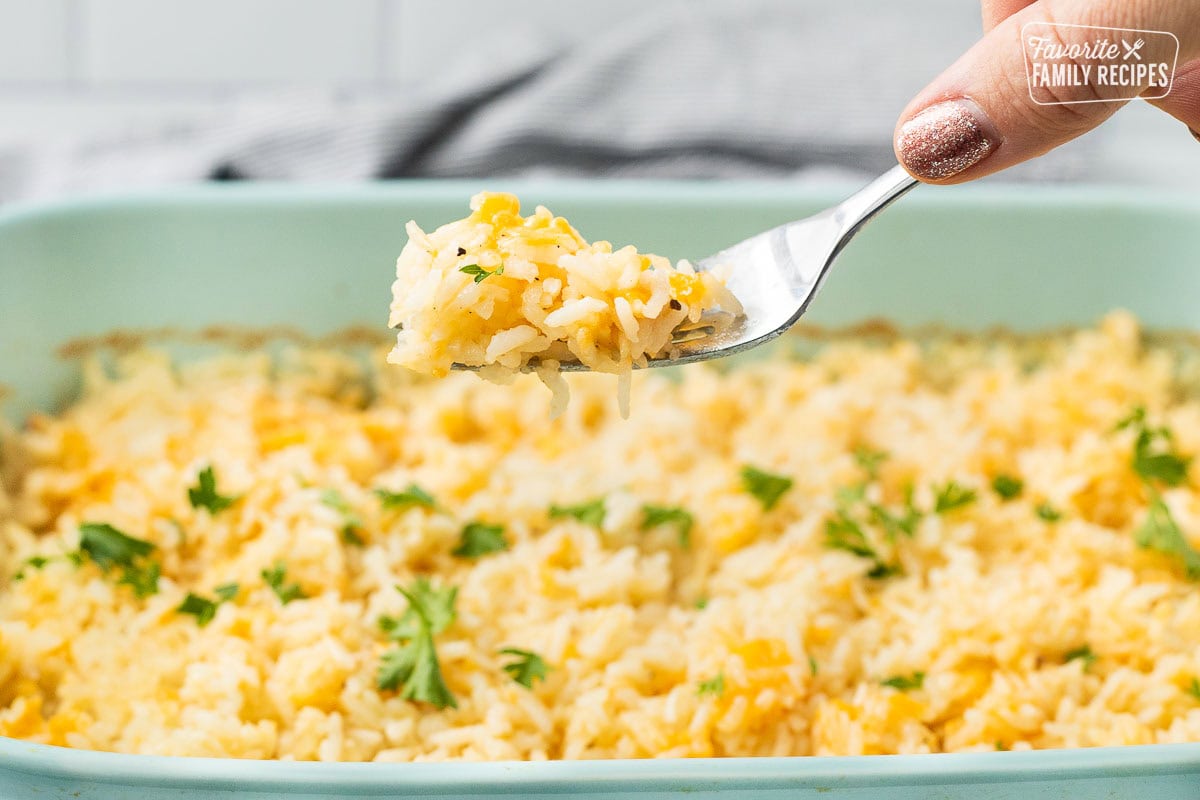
[(321, 259)]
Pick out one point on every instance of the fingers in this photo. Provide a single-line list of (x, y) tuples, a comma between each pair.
[(996, 11), (979, 117), (1183, 103)]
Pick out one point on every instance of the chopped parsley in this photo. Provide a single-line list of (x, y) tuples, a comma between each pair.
[(895, 524), (905, 683), (352, 523), (479, 539), (714, 686), (108, 547), (412, 666), (204, 609), (1193, 688), (412, 496), (479, 272), (528, 667), (767, 488), (34, 563), (843, 532), (653, 516), (870, 460), (812, 665), (1161, 533), (701, 603), (1154, 456), (952, 496), (276, 578), (1007, 487), (591, 513), (1048, 512), (1082, 653), (204, 494)]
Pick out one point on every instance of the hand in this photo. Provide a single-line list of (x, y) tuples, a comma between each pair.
[(977, 117)]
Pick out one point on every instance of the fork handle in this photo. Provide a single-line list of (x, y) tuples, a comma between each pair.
[(877, 195)]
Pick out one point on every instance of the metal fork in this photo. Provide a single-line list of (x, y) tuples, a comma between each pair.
[(777, 273)]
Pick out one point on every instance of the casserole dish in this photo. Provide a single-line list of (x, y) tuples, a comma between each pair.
[(320, 260)]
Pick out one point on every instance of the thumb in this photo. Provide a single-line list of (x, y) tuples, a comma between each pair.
[(980, 116)]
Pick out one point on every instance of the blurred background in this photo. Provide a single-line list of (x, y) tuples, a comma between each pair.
[(104, 95)]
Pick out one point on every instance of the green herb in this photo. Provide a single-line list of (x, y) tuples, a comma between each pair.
[(952, 496), (812, 665), (204, 609), (33, 562), (1007, 486), (142, 578), (1154, 456), (591, 513), (894, 524), (276, 578), (204, 493), (653, 516), (412, 666), (1000, 745), (1048, 512), (702, 603), (842, 532), (412, 496), (479, 272), (108, 547), (1083, 653), (351, 522), (905, 683), (1194, 688), (714, 686), (1160, 532), (478, 539), (767, 488), (870, 460), (528, 668)]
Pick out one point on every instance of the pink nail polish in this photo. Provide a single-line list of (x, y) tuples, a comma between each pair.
[(945, 139)]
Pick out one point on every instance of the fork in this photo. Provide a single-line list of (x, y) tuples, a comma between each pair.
[(775, 275)]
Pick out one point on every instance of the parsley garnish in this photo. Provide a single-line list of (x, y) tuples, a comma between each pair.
[(276, 578), (870, 460), (478, 539), (812, 665), (412, 666), (204, 493), (1082, 653), (1007, 486), (713, 686), (842, 532), (351, 522), (905, 683), (412, 496), (1194, 688), (767, 488), (479, 272), (1160, 532), (653, 516), (952, 496), (1048, 512), (33, 562), (204, 609), (108, 547), (591, 513), (528, 668), (1154, 456), (701, 603)]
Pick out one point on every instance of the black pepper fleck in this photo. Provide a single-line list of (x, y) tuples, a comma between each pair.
[(462, 251), (675, 305)]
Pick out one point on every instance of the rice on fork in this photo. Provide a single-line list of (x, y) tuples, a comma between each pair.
[(505, 294)]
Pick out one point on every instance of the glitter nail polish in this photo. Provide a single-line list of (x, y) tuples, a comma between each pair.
[(945, 139)]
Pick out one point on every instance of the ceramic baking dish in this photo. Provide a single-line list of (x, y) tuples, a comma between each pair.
[(319, 260)]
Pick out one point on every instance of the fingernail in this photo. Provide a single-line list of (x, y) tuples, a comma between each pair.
[(1195, 134), (945, 139)]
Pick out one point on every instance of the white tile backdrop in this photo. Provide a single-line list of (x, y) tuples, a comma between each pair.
[(98, 65)]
